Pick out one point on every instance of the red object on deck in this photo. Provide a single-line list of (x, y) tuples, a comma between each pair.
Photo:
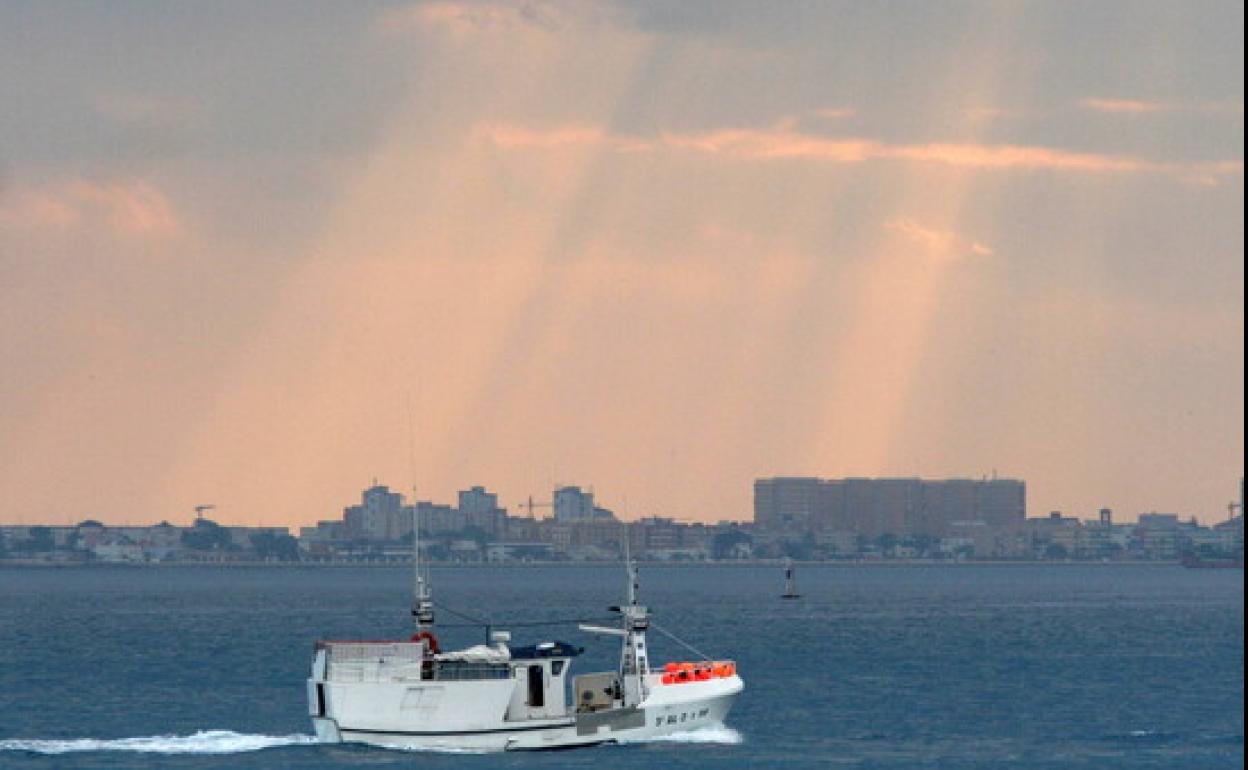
[(428, 637)]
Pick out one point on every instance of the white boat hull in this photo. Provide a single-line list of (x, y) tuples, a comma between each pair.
[(669, 709)]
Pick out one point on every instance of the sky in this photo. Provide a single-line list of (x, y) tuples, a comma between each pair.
[(259, 255)]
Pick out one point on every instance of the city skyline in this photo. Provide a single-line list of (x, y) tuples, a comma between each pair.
[(256, 255), (546, 507), (862, 520)]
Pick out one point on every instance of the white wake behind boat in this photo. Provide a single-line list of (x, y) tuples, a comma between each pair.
[(410, 694)]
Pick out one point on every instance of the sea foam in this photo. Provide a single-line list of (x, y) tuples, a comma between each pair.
[(719, 733), (202, 742)]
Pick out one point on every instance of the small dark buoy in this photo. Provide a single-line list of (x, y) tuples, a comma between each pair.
[(790, 586)]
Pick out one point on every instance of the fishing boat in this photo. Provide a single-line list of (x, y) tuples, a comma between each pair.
[(790, 584), (495, 697)]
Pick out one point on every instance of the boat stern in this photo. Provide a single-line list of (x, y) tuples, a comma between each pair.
[(326, 730), (325, 727)]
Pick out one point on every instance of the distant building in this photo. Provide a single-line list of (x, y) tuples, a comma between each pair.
[(572, 504), (381, 516), (1159, 521), (479, 509), (898, 506), (377, 516), (435, 517), (320, 540), (1055, 536), (796, 504), (1158, 536)]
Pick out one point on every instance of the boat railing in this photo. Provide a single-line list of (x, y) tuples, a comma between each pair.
[(370, 661), (377, 661), (455, 670)]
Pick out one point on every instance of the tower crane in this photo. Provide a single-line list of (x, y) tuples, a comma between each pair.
[(531, 505)]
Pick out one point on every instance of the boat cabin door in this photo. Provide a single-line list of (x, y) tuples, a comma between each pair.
[(537, 687), (540, 689)]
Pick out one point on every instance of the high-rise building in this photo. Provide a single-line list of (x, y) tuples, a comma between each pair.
[(898, 506), (479, 508), (786, 503), (1001, 502), (382, 516), (377, 516), (435, 518), (572, 504)]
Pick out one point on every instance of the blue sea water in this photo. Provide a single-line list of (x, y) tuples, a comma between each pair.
[(875, 667)]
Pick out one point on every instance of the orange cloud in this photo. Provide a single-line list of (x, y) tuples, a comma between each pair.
[(776, 143), (1141, 107), (461, 19), (945, 244), (935, 240), (560, 137), (38, 210), (1126, 106), (836, 113), (783, 142), (134, 208), (789, 144), (1001, 156)]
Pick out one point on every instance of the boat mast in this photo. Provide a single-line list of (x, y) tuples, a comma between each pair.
[(634, 660), (634, 663), (422, 597), (631, 570)]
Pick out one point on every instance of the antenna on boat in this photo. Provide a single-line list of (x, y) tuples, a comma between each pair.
[(422, 597), (631, 568)]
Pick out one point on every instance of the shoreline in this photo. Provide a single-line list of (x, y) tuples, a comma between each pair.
[(612, 564)]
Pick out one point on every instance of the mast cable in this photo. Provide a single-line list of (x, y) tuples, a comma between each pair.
[(476, 622), (679, 641)]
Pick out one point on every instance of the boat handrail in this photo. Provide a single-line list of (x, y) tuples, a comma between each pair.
[(324, 643)]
